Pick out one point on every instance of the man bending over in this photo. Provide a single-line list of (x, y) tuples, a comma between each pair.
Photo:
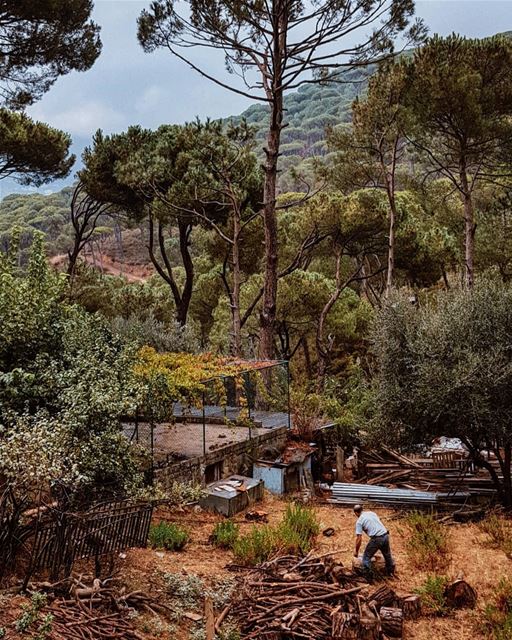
[(370, 523)]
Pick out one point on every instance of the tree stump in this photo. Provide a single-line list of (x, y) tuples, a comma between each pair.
[(411, 607), (383, 597), (350, 626), (460, 595), (392, 620)]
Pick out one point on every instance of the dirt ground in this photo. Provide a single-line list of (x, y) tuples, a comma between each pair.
[(143, 569)]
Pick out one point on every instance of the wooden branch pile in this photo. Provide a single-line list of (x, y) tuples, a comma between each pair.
[(316, 597), (83, 610)]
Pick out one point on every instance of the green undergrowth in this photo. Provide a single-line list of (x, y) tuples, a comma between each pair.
[(427, 541), (294, 534), (497, 615), (169, 536)]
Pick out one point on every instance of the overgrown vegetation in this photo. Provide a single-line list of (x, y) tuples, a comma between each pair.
[(169, 536), (427, 541), (497, 616), (432, 591), (294, 534), (225, 534), (499, 531)]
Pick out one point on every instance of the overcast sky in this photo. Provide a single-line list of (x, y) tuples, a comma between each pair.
[(127, 86)]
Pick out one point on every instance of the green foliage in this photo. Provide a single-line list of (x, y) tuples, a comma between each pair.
[(169, 536), (433, 600), (43, 41), (443, 369), (427, 541), (31, 615), (294, 534), (64, 379), (32, 152), (256, 546), (497, 617), (225, 534)]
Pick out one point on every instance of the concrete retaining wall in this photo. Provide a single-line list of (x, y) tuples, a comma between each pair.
[(235, 459)]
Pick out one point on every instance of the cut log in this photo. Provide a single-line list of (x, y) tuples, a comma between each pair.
[(392, 621), (382, 597), (351, 626), (411, 607), (460, 595), (209, 618)]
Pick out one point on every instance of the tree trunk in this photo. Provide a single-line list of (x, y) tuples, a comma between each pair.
[(268, 310), (469, 227), (236, 346), (274, 91), (460, 595), (390, 190), (185, 229), (411, 606)]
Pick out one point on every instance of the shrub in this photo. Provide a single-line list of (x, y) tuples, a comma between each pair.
[(165, 535), (294, 534), (298, 528), (225, 534), (256, 546), (499, 531), (427, 544), (498, 614), (432, 595)]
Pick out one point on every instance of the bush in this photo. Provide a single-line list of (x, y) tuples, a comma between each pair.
[(225, 534), (499, 531), (427, 545), (498, 614), (298, 528), (432, 595), (256, 546), (165, 535), (294, 534)]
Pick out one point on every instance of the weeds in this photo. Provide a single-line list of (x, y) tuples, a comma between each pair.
[(294, 534), (165, 535), (256, 546), (432, 595), (498, 614), (427, 544), (499, 531), (225, 534), (31, 616)]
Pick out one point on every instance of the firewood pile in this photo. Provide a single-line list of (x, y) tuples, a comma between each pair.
[(316, 597), (85, 610)]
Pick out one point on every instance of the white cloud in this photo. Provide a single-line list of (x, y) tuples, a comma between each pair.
[(152, 97), (83, 119)]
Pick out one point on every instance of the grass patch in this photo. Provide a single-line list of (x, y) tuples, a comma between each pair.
[(432, 595), (294, 534), (498, 614), (225, 534), (169, 536), (427, 543), (499, 531)]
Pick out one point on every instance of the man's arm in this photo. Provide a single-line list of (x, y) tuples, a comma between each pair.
[(359, 539)]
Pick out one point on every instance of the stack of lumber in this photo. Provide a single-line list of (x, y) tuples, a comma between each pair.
[(390, 468), (83, 609), (316, 597)]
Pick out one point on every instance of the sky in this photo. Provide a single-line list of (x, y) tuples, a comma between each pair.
[(127, 86)]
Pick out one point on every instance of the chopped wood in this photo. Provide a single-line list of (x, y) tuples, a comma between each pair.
[(392, 620)]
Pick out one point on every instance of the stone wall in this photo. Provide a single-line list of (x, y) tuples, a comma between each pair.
[(233, 459)]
